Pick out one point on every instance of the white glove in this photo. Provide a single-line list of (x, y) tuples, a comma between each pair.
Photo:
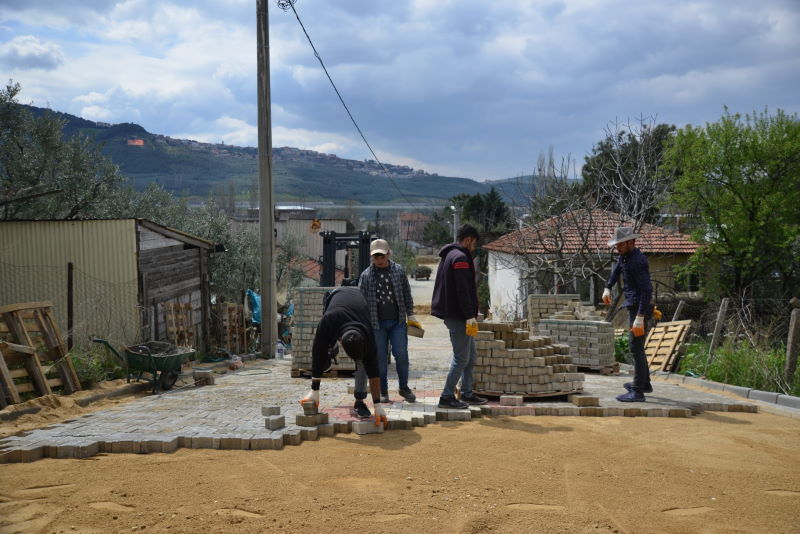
[(380, 414), (313, 395), (607, 296), (638, 326)]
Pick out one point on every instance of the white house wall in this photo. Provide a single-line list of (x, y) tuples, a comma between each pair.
[(507, 302)]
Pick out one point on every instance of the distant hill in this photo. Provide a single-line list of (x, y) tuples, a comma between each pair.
[(193, 169)]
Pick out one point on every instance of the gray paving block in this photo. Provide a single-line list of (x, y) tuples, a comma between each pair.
[(274, 422), (326, 429), (292, 437), (737, 390), (475, 411), (309, 408), (125, 447), (763, 396), (399, 424), (788, 401), (233, 443), (511, 400), (204, 442), (341, 427), (270, 410), (309, 433), (311, 420), (366, 427)]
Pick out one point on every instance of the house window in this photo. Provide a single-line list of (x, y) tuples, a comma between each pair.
[(690, 283)]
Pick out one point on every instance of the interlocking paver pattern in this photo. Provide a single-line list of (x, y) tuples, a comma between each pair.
[(232, 413)]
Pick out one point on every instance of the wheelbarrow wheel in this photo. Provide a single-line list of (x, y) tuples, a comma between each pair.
[(168, 379)]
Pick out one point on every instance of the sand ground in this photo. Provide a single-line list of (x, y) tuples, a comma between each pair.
[(712, 473)]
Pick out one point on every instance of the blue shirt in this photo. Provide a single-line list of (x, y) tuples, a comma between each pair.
[(635, 273)]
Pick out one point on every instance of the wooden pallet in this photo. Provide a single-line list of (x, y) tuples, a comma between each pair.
[(664, 343), (496, 395), (605, 370), (32, 347), (231, 327), (178, 323)]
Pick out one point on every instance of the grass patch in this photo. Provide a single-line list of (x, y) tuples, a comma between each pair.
[(738, 363)]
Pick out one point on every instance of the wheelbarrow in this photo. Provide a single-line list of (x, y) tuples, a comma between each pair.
[(160, 359)]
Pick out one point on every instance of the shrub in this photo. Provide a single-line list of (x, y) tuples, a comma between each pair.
[(93, 366), (622, 351)]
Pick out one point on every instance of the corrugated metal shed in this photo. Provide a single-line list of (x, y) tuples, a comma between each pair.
[(308, 241), (34, 259)]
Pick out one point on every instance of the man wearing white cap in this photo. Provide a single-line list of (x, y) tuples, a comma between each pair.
[(391, 309), (638, 289)]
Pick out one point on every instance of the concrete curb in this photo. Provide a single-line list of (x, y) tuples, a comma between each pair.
[(785, 404)]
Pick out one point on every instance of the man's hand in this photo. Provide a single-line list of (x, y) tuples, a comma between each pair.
[(607, 297), (312, 396), (472, 327), (638, 326), (380, 414), (412, 321)]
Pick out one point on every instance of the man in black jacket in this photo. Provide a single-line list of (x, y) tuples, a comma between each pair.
[(346, 319), (455, 299)]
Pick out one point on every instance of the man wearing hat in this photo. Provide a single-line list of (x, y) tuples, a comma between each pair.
[(633, 267), (385, 286)]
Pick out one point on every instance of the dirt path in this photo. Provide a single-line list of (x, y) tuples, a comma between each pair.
[(712, 473)]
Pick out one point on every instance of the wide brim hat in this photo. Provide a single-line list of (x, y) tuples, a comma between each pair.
[(622, 234), (379, 246)]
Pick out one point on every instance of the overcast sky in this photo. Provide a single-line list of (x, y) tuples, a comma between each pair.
[(459, 87)]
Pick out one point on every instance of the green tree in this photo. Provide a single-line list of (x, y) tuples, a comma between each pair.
[(35, 157), (437, 231), (741, 175)]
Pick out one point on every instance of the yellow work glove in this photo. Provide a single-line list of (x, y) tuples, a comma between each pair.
[(472, 327), (380, 415), (638, 326), (313, 395), (607, 297), (657, 313), (412, 321)]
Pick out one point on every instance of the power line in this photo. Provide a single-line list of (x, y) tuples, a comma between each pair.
[(286, 5)]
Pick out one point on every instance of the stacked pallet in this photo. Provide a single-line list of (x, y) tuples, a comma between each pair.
[(308, 312), (590, 338), (512, 362), (543, 306)]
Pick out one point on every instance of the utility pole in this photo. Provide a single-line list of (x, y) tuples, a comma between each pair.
[(266, 211)]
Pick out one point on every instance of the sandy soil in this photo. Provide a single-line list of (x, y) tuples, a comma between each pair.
[(56, 408), (712, 473)]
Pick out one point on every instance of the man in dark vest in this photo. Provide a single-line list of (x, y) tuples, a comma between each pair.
[(346, 320), (455, 300)]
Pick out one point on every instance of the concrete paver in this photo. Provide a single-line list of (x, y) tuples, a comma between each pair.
[(236, 411)]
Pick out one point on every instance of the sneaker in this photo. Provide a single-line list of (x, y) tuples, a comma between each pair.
[(474, 399), (452, 402), (360, 410), (408, 395), (631, 396), (385, 398), (629, 386)]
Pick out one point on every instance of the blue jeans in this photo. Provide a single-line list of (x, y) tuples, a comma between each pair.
[(641, 371), (464, 354), (395, 333)]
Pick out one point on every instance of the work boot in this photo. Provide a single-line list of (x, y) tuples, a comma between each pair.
[(360, 410), (629, 387), (408, 395), (474, 399), (452, 402), (631, 396)]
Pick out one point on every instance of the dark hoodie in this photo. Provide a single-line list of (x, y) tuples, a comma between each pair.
[(346, 309), (455, 293)]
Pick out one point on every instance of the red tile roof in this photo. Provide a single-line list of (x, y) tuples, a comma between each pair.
[(588, 231)]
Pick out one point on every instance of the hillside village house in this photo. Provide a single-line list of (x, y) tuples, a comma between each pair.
[(529, 261), (107, 278)]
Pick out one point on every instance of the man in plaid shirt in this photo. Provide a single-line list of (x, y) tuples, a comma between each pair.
[(391, 308)]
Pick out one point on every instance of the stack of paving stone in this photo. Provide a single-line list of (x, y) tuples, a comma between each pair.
[(512, 362), (590, 338), (308, 312), (543, 306)]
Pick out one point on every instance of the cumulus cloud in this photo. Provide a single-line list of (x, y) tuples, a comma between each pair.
[(26, 52)]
